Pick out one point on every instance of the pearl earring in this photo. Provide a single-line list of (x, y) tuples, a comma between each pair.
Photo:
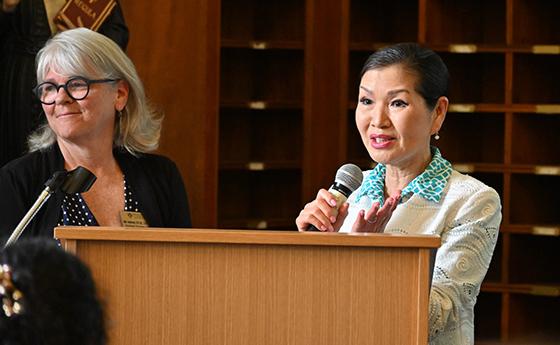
[(436, 137)]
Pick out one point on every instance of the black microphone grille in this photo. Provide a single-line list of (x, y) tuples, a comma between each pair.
[(349, 175)]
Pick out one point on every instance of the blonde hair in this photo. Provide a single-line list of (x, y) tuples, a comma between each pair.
[(86, 53)]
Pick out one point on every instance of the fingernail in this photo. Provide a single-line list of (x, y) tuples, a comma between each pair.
[(332, 202), (333, 219), (323, 228)]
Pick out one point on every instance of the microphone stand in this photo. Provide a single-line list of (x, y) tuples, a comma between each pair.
[(78, 180)]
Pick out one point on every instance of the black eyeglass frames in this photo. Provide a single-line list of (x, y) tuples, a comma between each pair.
[(77, 88)]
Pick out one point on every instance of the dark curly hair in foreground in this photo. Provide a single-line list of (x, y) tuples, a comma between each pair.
[(55, 293)]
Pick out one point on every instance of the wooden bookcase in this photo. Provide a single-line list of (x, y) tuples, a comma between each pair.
[(260, 114), (277, 109), (503, 126)]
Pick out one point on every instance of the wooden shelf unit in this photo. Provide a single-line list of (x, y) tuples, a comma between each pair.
[(278, 107), (261, 113), (260, 96), (503, 128), (280, 104)]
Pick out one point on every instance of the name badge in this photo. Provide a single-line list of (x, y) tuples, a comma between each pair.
[(133, 219)]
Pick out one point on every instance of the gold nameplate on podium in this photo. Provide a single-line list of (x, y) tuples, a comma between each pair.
[(133, 219), (85, 13)]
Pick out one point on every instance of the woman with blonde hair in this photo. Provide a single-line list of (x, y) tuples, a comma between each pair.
[(98, 117), (25, 27)]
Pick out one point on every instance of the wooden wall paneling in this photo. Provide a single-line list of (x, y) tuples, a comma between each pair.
[(175, 46), (325, 99)]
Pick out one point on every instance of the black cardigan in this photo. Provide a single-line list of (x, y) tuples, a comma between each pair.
[(154, 180)]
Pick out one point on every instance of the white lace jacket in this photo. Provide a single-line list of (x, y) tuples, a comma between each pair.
[(468, 219)]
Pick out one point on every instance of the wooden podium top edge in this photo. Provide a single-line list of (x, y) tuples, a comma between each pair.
[(246, 237)]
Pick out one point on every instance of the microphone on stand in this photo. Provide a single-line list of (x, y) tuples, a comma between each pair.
[(78, 180), (348, 178)]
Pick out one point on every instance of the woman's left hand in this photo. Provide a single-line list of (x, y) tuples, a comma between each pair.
[(376, 218)]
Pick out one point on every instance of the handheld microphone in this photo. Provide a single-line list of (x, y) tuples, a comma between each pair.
[(348, 178), (78, 180)]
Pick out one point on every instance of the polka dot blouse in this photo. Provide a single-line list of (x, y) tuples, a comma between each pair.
[(75, 211)]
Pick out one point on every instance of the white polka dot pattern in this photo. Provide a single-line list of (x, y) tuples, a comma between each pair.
[(75, 211)]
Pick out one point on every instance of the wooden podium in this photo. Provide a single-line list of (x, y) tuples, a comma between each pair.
[(200, 286)]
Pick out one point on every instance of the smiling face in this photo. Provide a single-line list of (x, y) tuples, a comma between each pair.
[(393, 119), (89, 120)]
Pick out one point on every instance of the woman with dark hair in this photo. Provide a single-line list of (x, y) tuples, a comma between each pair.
[(413, 189), (48, 297)]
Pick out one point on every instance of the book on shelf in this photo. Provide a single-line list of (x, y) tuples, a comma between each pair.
[(85, 13)]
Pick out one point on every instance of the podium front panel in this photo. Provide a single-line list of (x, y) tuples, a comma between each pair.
[(258, 293)]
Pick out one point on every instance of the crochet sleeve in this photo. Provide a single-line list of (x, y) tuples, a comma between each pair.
[(462, 261)]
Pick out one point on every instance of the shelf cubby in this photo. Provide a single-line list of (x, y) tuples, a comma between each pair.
[(478, 131), (473, 22), (534, 320), (260, 135), (255, 20), (476, 78), (535, 139), (529, 193), (259, 196), (533, 258), (535, 78), (535, 22), (369, 24), (261, 75)]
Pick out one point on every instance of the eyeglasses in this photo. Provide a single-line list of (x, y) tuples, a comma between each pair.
[(77, 88)]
